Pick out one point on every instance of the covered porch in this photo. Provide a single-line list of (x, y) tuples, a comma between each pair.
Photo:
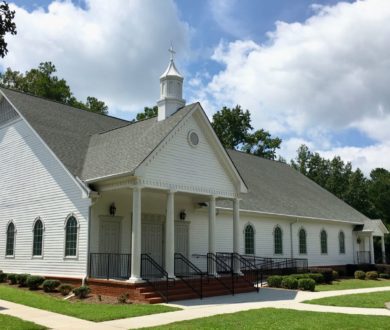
[(138, 232)]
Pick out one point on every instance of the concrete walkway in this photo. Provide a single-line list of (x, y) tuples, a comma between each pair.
[(193, 309)]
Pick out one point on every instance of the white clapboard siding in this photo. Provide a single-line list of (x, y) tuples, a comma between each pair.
[(181, 164), (264, 238), (34, 184)]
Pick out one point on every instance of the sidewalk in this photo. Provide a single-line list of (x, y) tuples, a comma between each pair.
[(193, 309)]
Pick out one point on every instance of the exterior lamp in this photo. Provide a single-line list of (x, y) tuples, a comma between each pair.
[(112, 209), (182, 215)]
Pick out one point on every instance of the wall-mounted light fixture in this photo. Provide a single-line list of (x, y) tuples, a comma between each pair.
[(182, 215), (112, 209)]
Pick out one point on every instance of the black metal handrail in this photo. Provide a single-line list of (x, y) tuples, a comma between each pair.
[(267, 264), (216, 266), (190, 274), (110, 265), (250, 273), (156, 276)]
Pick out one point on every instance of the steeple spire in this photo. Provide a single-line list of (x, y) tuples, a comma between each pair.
[(171, 89)]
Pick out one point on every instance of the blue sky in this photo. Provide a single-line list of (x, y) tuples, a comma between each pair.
[(313, 74)]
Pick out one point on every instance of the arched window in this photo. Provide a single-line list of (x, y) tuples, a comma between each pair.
[(342, 242), (249, 234), (38, 238), (10, 246), (324, 242), (71, 237), (302, 241), (278, 242)]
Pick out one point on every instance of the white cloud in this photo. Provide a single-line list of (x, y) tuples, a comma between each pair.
[(114, 50), (311, 79), (366, 158)]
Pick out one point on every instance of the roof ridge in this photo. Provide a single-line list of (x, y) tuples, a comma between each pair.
[(58, 102)]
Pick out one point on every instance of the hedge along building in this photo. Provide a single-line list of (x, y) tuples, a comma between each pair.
[(79, 189)]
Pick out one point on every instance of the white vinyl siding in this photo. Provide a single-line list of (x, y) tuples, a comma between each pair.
[(188, 167), (34, 184)]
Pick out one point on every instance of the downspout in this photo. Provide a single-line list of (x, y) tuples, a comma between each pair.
[(291, 238)]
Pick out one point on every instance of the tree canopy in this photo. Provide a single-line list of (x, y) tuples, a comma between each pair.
[(43, 82), (233, 128), (149, 112), (7, 25), (370, 196)]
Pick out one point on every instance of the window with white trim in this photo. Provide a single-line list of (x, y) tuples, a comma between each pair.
[(10, 244), (324, 242), (302, 241), (71, 237), (249, 239), (342, 242), (278, 240), (38, 238)]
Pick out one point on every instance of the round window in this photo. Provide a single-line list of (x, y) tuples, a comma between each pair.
[(193, 138)]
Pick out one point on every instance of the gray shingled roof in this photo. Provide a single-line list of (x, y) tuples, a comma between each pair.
[(104, 145), (66, 130), (121, 150), (275, 187)]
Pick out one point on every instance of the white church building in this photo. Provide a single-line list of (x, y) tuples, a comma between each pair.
[(86, 195)]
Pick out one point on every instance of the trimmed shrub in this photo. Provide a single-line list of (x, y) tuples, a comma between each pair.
[(306, 284), (373, 275), (384, 276), (317, 277), (22, 279), (327, 273), (352, 268), (12, 279), (360, 275), (275, 281), (383, 268), (82, 291), (335, 275), (3, 277), (122, 299), (289, 282), (50, 285), (33, 282), (65, 289)]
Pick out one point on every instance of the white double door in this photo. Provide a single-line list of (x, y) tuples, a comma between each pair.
[(153, 238)]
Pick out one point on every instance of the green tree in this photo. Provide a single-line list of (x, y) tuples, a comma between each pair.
[(379, 192), (260, 143), (232, 126), (43, 82), (234, 130), (7, 25), (148, 113)]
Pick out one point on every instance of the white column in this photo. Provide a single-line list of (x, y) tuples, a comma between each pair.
[(372, 249), (136, 237), (236, 233), (212, 249), (383, 249), (170, 235)]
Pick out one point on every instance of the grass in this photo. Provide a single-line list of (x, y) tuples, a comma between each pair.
[(86, 311), (271, 318), (369, 300), (345, 284), (13, 323)]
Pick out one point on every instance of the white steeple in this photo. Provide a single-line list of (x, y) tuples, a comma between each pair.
[(171, 90)]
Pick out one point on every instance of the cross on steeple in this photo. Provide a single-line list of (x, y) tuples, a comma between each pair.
[(172, 52)]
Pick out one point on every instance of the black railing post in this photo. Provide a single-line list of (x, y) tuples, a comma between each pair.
[(108, 266)]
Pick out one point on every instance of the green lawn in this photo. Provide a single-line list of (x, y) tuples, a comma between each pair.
[(352, 284), (86, 311), (12, 323), (270, 318), (369, 300)]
